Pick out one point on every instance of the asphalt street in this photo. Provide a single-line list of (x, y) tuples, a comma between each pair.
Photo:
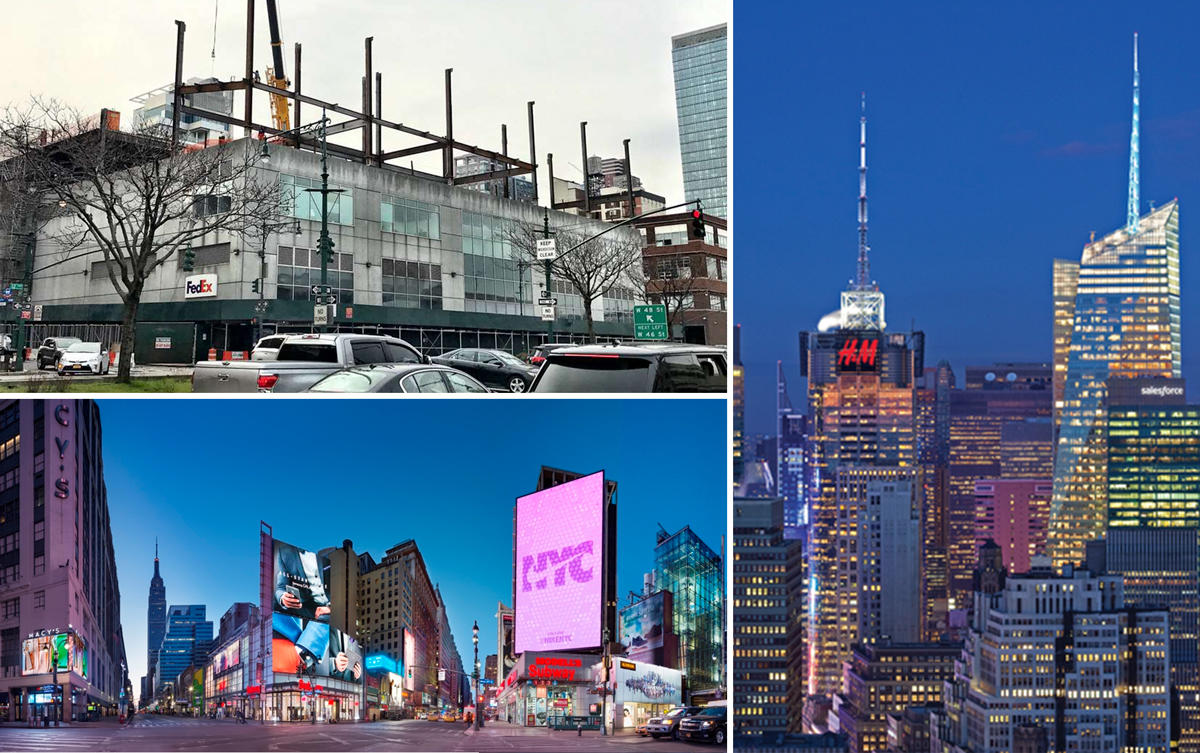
[(149, 733)]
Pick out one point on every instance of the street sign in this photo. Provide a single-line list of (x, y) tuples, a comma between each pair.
[(547, 301), (330, 299), (37, 313), (27, 314), (320, 314), (650, 322), (547, 313), (321, 289), (18, 286), (261, 307), (547, 249)]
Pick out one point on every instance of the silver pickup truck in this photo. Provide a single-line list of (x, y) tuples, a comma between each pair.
[(302, 360)]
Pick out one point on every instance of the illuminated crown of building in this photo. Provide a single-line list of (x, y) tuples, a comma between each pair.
[(862, 304)]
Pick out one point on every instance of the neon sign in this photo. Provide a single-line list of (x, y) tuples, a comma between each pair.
[(858, 354)]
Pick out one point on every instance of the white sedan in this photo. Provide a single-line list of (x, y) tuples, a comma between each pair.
[(82, 358)]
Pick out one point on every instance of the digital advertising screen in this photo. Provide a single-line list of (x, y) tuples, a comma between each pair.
[(646, 683), (643, 625), (38, 654), (560, 569), (227, 658), (303, 642), (410, 659)]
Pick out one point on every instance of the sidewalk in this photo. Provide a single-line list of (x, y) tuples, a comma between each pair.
[(33, 374), (507, 729)]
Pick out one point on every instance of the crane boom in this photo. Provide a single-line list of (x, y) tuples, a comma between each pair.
[(275, 74)]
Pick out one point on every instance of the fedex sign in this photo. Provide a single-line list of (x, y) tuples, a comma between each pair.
[(559, 561), (200, 286)]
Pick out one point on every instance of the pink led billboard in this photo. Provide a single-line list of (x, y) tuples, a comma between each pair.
[(560, 572)]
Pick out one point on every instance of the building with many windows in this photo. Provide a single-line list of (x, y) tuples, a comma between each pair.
[(156, 626), (700, 62), (412, 257), (695, 575), (1013, 512), (768, 635), (186, 643), (60, 603), (1065, 652)]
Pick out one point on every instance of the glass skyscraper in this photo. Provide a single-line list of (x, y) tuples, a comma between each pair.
[(186, 643), (1125, 324), (695, 576), (701, 78)]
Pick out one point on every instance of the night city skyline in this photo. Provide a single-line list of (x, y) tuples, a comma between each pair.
[(471, 571), (991, 153)]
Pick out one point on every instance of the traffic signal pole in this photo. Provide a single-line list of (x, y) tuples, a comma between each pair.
[(549, 292)]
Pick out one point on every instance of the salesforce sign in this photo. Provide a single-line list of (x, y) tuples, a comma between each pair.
[(200, 286)]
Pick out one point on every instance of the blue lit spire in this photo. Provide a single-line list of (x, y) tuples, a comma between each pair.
[(1131, 220)]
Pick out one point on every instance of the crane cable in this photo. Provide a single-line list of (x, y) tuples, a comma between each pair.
[(216, 10)]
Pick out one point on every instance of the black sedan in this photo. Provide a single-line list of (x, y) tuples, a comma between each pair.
[(494, 368), (399, 377)]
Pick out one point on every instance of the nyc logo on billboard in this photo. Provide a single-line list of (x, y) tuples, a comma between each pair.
[(200, 286), (569, 560), (858, 354)]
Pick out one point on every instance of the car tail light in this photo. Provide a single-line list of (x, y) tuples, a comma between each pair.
[(267, 381), (594, 355), (536, 360)]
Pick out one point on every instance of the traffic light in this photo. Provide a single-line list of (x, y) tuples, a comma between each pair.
[(256, 285), (698, 223), (189, 259)]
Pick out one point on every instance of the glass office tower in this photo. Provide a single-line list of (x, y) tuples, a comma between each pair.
[(699, 60), (1126, 324), (695, 576)]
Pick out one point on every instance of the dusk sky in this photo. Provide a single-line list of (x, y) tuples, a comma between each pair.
[(997, 140), (201, 475)]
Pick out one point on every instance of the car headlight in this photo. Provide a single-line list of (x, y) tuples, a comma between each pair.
[(706, 724)]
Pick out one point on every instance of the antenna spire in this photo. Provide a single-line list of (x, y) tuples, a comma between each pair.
[(863, 281), (1131, 219)]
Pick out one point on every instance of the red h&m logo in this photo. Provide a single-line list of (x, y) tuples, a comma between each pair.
[(858, 353)]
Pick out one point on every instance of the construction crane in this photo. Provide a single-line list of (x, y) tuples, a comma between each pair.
[(275, 75)]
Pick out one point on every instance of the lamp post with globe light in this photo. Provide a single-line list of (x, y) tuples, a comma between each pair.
[(475, 674)]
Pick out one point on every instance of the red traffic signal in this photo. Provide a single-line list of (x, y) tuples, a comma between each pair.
[(698, 224)]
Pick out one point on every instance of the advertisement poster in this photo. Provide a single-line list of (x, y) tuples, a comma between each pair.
[(646, 683), (69, 649), (560, 545), (303, 642), (643, 626)]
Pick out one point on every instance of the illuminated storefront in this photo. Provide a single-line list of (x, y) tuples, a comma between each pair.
[(641, 690), (544, 689), (225, 680)]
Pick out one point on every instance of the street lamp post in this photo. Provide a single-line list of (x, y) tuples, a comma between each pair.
[(604, 693), (475, 675), (325, 243)]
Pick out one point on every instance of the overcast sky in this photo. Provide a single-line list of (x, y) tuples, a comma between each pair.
[(608, 63)]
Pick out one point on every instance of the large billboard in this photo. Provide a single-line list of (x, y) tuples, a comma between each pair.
[(646, 630), (302, 641), (560, 570), (40, 652), (637, 682)]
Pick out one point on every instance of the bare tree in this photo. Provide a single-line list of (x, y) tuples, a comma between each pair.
[(130, 196), (590, 267), (671, 281)]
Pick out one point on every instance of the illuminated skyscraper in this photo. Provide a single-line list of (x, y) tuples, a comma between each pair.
[(862, 430), (1066, 283), (792, 458), (1000, 428), (1125, 324), (699, 59)]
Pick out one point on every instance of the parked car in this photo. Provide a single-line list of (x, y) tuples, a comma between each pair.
[(81, 357), (707, 724), (667, 725), (302, 361), (399, 377), (634, 367), (494, 368), (267, 348), (51, 348), (539, 353)]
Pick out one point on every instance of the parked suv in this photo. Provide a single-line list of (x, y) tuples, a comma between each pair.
[(707, 724), (52, 348), (634, 367), (667, 725)]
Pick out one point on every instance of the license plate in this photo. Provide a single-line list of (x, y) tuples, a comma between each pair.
[(77, 367)]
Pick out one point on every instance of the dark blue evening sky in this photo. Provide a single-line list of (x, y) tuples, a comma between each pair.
[(997, 139), (201, 474)]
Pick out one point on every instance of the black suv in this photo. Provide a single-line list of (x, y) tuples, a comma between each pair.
[(634, 367), (52, 348), (707, 724)]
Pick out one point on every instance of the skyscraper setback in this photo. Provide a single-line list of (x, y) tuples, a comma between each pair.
[(1125, 323)]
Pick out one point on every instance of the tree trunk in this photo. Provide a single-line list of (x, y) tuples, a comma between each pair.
[(128, 329), (587, 312)]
